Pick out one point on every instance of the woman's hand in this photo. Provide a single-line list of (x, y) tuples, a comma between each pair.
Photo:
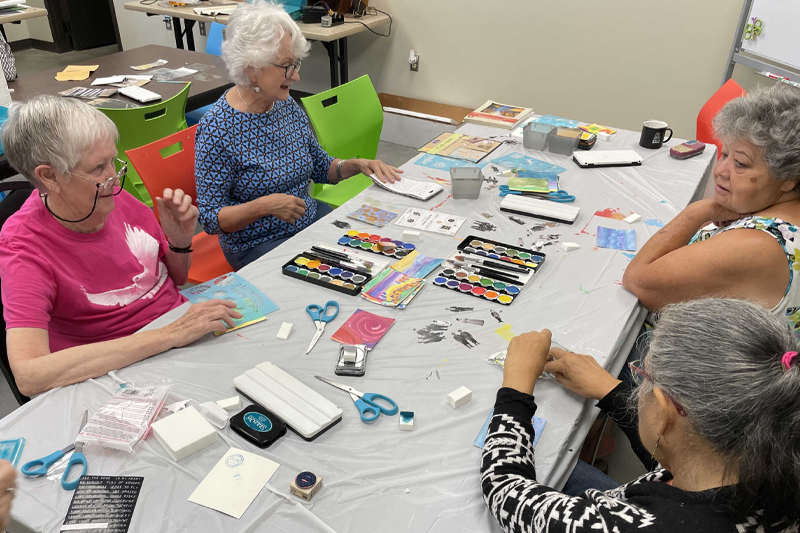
[(581, 374), (202, 318), (378, 168), (178, 217), (8, 478), (285, 207), (525, 360)]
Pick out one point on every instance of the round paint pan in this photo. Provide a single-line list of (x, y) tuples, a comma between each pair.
[(292, 268), (453, 284), (505, 299), (358, 278), (478, 291), (491, 295), (439, 280), (465, 287)]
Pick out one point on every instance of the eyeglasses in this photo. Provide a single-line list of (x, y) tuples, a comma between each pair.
[(639, 374), (104, 185), (289, 69)]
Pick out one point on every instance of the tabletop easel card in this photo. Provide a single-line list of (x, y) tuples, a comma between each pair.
[(103, 503), (364, 328), (460, 146), (250, 302), (234, 482)]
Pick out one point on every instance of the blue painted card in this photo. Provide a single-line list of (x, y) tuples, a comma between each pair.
[(618, 239), (524, 162), (538, 427), (553, 120), (438, 162)]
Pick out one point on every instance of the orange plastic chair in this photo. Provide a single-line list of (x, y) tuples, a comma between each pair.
[(705, 130), (169, 162)]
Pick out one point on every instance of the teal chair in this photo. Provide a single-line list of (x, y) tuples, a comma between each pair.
[(348, 121), (214, 48)]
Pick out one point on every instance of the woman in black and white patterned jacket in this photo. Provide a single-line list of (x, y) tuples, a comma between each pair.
[(718, 407)]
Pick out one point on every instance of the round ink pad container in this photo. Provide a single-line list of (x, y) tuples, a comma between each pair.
[(259, 426)]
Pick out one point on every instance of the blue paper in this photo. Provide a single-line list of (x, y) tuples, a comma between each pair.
[(438, 162), (618, 239), (251, 302), (538, 427), (553, 120), (523, 162), (11, 450)]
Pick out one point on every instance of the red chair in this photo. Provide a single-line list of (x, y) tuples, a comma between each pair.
[(169, 162), (705, 130)]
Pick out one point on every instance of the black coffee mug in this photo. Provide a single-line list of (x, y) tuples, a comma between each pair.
[(653, 133)]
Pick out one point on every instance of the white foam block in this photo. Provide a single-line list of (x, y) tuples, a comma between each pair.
[(459, 397), (634, 218), (410, 235), (230, 404), (569, 246), (184, 433), (286, 329), (214, 414), (603, 136)]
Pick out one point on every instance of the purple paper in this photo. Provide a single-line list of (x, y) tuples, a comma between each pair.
[(618, 239)]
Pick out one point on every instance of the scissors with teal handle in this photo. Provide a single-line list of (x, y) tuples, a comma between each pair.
[(560, 196), (319, 314), (365, 401), (39, 467)]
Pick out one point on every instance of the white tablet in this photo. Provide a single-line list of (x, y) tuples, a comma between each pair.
[(607, 158)]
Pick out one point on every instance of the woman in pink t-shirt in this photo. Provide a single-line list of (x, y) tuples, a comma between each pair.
[(83, 264)]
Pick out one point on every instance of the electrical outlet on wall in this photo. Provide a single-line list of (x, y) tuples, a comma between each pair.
[(168, 22), (413, 60)]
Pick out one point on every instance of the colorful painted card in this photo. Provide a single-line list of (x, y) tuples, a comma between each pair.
[(364, 328), (520, 161), (553, 120), (391, 288), (538, 427), (458, 146), (417, 265), (444, 164), (597, 128), (540, 185), (618, 239), (250, 302), (373, 215)]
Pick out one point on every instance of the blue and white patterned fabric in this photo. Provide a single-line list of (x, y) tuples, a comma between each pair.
[(243, 156)]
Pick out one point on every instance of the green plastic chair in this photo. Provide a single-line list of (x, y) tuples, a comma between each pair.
[(348, 121), (139, 126)]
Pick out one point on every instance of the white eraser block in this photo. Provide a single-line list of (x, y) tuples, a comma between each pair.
[(286, 329), (459, 397), (410, 236), (406, 420), (184, 433), (633, 218), (603, 136), (229, 404), (214, 414), (569, 246)]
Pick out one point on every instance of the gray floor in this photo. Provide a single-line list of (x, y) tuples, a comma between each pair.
[(623, 464)]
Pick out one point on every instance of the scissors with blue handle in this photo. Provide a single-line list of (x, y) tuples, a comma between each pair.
[(560, 196), (39, 467), (319, 314), (365, 401)]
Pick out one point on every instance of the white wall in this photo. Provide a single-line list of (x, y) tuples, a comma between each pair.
[(137, 29), (38, 28)]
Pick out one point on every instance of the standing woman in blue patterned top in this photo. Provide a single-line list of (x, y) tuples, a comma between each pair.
[(255, 149)]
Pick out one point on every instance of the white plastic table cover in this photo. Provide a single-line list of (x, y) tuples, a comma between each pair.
[(376, 477)]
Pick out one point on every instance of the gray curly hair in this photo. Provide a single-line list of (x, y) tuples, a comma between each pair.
[(769, 117), (253, 38)]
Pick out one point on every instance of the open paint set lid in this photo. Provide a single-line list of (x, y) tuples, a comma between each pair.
[(259, 426)]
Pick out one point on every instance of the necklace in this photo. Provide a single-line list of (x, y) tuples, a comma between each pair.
[(248, 105)]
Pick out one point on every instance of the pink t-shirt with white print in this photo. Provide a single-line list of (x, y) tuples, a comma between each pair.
[(85, 287)]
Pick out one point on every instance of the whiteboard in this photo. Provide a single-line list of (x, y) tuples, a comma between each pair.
[(779, 40)]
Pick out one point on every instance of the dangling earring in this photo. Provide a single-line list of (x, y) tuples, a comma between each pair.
[(256, 89), (653, 456)]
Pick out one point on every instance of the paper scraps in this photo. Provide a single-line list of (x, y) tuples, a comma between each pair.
[(479, 225), (340, 224), (610, 212), (616, 239), (654, 222), (505, 332), (151, 65), (597, 128), (465, 338), (433, 332), (76, 72)]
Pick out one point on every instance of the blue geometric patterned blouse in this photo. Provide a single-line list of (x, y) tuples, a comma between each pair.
[(242, 156)]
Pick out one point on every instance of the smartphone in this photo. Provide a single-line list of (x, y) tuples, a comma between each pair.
[(352, 360), (687, 149)]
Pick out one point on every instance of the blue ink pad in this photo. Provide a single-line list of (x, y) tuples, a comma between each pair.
[(259, 426)]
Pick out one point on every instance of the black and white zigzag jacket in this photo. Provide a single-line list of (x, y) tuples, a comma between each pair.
[(647, 504)]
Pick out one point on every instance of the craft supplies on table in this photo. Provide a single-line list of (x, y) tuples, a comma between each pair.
[(437, 162), (376, 244), (416, 265), (366, 402), (597, 128), (253, 304), (184, 433), (535, 207), (125, 419), (392, 289), (535, 135), (363, 328), (103, 503), (617, 239), (433, 221), (518, 161), (11, 450), (325, 273), (215, 414), (466, 182), (587, 141), (234, 482), (39, 467), (418, 190), (352, 360), (350, 258), (373, 215), (564, 141), (538, 427), (459, 146), (306, 485), (632, 219), (285, 331), (608, 158), (411, 235), (570, 246), (258, 425), (495, 250), (320, 315), (498, 115), (459, 397), (304, 410), (406, 420), (230, 404)]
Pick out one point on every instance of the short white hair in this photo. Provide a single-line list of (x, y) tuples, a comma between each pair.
[(53, 130), (253, 38)]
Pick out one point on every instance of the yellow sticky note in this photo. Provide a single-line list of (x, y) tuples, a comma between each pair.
[(505, 332), (76, 72)]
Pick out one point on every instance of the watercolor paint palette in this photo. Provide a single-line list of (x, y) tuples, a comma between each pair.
[(499, 251), (376, 244), (307, 267), (477, 285)]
